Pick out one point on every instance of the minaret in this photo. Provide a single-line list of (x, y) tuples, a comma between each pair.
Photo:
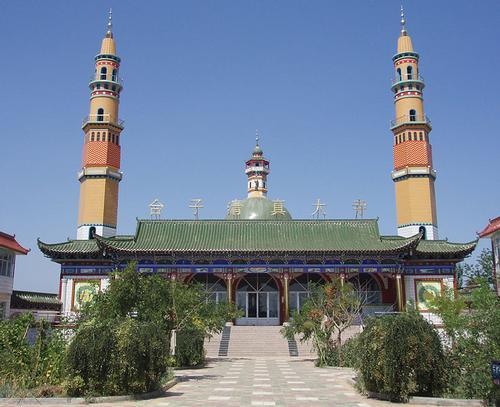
[(100, 174), (413, 173), (257, 169)]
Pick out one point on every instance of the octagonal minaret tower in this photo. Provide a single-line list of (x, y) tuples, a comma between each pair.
[(100, 173), (413, 173), (257, 169)]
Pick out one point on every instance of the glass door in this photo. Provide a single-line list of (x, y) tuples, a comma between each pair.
[(257, 297)]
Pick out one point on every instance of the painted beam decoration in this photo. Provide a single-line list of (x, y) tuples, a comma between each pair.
[(426, 291), (83, 292)]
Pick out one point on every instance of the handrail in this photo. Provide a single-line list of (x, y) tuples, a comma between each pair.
[(107, 77), (418, 118), (408, 77), (101, 118)]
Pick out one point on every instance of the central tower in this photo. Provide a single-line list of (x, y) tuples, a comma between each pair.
[(413, 173), (100, 173), (257, 169)]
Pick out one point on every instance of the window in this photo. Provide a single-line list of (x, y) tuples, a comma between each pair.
[(399, 73), (409, 72), (421, 136), (400, 139), (98, 136), (113, 138), (98, 86), (117, 139), (395, 139), (106, 86), (100, 114), (104, 73), (92, 136), (413, 115), (92, 231), (114, 76), (6, 264), (410, 87), (404, 137), (423, 231)]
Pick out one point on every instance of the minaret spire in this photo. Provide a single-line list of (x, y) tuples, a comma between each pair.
[(109, 33), (257, 169), (403, 21), (414, 172)]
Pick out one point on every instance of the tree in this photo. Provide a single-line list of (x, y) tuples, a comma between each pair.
[(122, 340), (324, 317), (471, 321), (481, 270)]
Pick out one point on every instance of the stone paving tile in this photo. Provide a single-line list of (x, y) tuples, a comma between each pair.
[(246, 382)]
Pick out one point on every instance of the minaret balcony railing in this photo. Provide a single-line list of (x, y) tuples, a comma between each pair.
[(410, 119), (101, 118), (408, 77), (106, 78)]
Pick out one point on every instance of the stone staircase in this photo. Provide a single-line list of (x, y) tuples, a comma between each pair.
[(256, 342)]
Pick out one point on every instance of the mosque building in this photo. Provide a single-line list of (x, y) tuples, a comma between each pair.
[(259, 256)]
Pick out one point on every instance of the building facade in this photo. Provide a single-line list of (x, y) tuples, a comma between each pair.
[(492, 231), (259, 256), (9, 249)]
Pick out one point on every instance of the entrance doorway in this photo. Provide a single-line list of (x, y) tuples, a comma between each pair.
[(257, 296)]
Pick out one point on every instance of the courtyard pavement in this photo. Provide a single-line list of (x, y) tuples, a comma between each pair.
[(261, 382)]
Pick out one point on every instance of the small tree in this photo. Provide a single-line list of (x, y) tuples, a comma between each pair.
[(473, 274), (471, 321), (324, 317)]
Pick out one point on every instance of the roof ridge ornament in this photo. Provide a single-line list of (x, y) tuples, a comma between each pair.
[(109, 33), (403, 21), (155, 209), (319, 209)]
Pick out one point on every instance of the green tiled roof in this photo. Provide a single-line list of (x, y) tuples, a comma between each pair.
[(34, 300), (165, 236), (445, 247)]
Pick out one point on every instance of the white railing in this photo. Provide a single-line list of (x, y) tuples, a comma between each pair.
[(109, 77), (101, 118), (410, 118), (408, 77)]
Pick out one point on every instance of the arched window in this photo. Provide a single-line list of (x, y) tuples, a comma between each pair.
[(92, 136), (399, 73), (423, 231), (98, 136), (415, 136), (421, 136), (100, 114), (104, 73), (413, 115), (92, 232), (409, 72), (117, 139), (114, 76), (395, 139)]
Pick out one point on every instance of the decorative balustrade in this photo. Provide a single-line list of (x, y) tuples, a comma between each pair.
[(410, 118), (408, 77), (109, 77), (101, 118)]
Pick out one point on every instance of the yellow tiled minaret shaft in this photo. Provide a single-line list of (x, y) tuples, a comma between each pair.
[(413, 173), (100, 174)]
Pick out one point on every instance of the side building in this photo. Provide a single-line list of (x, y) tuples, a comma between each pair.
[(9, 249)]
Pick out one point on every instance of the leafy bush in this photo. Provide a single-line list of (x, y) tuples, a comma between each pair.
[(472, 324), (349, 353), (116, 357), (26, 369), (401, 355), (189, 350)]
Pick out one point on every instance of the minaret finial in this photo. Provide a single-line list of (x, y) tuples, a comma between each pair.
[(109, 33), (257, 137), (403, 21)]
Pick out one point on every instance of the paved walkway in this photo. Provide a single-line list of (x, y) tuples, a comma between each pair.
[(262, 382)]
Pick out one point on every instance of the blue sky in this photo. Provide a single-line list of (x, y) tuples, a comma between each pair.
[(201, 76)]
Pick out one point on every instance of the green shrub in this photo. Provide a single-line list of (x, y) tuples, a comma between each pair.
[(349, 354), (189, 350), (26, 368), (401, 355), (116, 357)]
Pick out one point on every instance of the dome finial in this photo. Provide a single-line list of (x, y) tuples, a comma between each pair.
[(109, 33), (403, 21)]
